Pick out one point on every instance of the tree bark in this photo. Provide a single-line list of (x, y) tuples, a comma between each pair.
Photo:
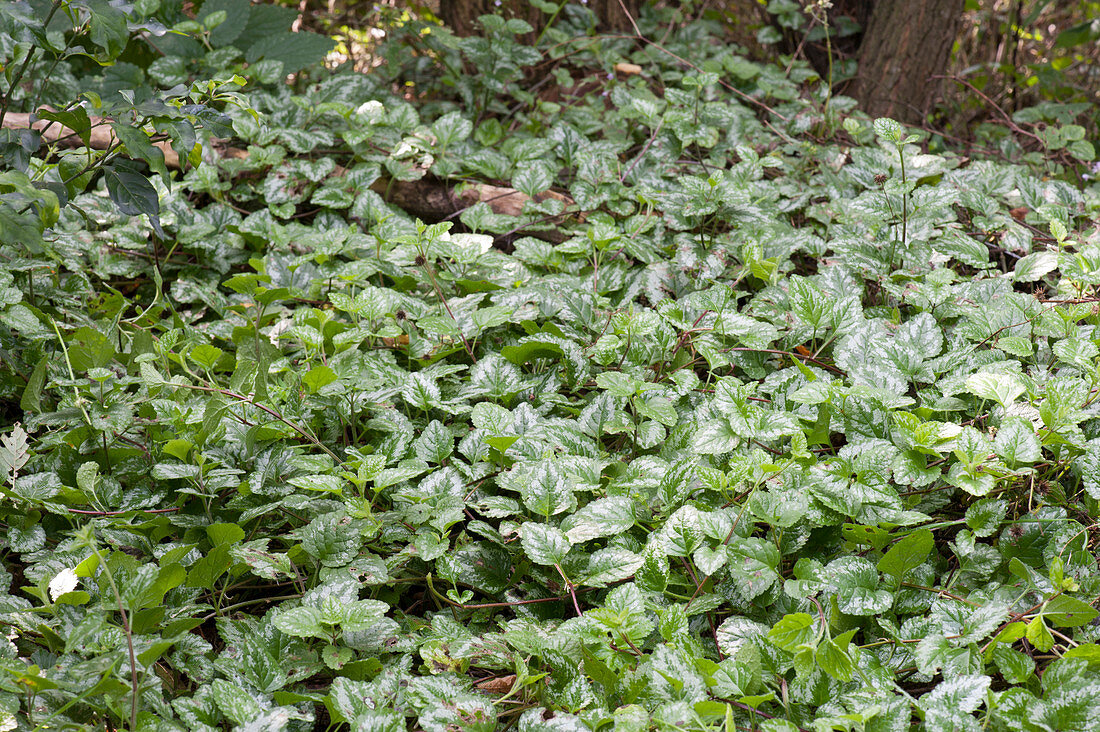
[(610, 14), (906, 43), (461, 15)]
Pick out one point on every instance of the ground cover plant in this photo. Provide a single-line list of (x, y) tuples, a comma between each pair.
[(754, 412)]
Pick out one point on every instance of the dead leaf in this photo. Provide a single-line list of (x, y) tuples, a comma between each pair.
[(497, 684)]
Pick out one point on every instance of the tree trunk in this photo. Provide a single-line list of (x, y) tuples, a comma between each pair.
[(906, 43), (610, 15), (461, 15)]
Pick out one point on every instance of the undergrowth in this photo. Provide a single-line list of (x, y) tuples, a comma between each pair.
[(754, 417)]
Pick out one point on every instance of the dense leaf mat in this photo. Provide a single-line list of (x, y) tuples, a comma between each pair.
[(778, 418)]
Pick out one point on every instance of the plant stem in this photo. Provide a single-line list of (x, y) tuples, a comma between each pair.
[(904, 199), (550, 22), (443, 299), (248, 603), (68, 363), (26, 63), (248, 400), (129, 636), (829, 58)]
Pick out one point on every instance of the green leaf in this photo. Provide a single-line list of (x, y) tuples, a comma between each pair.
[(153, 652), (610, 565), (888, 129), (483, 566), (752, 565), (1077, 351), (1088, 651), (682, 533), (544, 488), (1001, 388), (532, 178), (1076, 35), (205, 355), (1017, 443), (653, 574), (1016, 346), (677, 483), (300, 622), (318, 378), (976, 484), (224, 533), (716, 437), (435, 444), (623, 613), (709, 560), (1035, 266), (835, 660), (406, 470), (234, 702), (501, 443), (133, 194), (236, 18), (22, 226), (332, 538), (1064, 611), (1083, 150), (491, 317), (491, 417), (794, 632), (950, 704), (336, 657), (543, 544), (136, 143), (452, 127), (984, 517), (207, 570), (907, 554), (617, 383), (107, 27), (602, 517), (362, 614), (858, 590), (322, 483), (294, 50), (658, 408), (31, 399), (1038, 634), (1015, 667)]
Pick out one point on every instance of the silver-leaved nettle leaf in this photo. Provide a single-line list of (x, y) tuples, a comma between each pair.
[(544, 544), (531, 381)]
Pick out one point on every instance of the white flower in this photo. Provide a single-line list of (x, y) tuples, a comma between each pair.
[(65, 581)]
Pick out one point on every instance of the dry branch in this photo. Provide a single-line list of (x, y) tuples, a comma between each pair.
[(102, 136), (426, 198), (435, 200)]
